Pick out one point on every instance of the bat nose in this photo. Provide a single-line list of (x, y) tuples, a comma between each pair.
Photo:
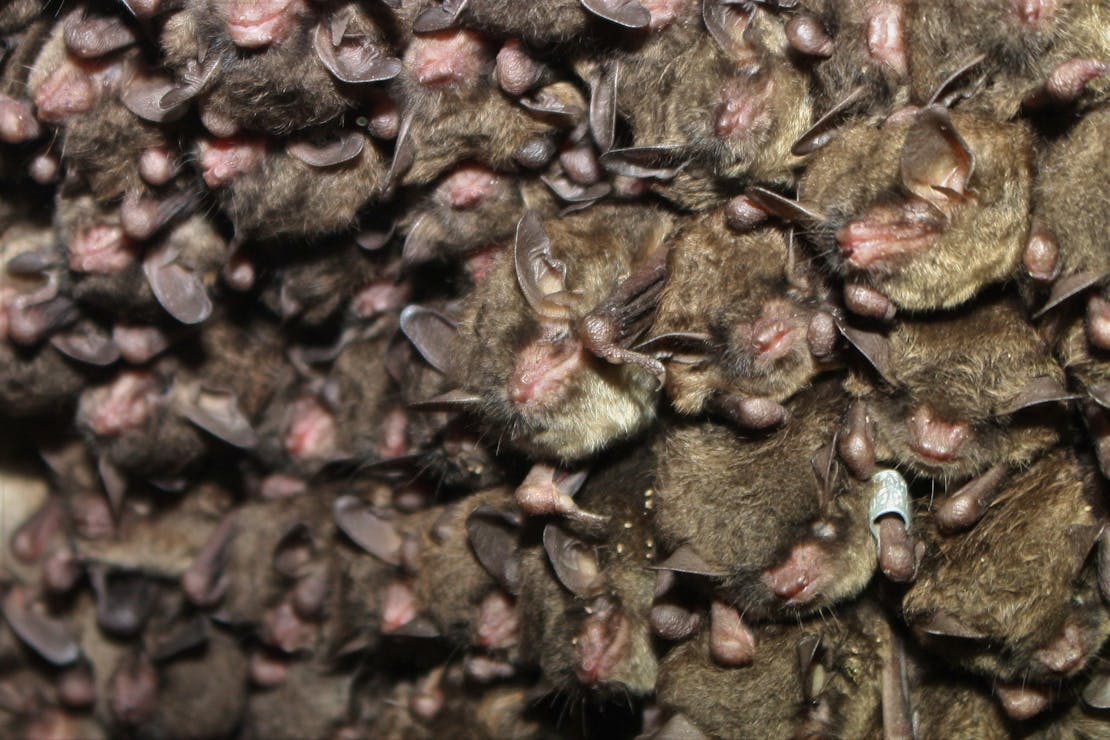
[(936, 438)]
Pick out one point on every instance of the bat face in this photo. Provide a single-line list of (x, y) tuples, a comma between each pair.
[(1026, 45), (961, 400), (584, 607), (855, 45), (523, 360), (939, 211), (971, 608), (751, 309), (796, 539), (265, 191), (307, 64)]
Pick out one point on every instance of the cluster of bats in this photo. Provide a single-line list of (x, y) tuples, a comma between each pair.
[(499, 369)]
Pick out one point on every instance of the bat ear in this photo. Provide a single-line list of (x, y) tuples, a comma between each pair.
[(874, 347), (179, 291), (572, 192), (198, 75), (367, 530), (683, 347), (293, 549), (655, 162), (86, 343), (627, 13), (936, 163), (1097, 691), (539, 274), (945, 624), (807, 649), (184, 636), (218, 413), (727, 22), (575, 563), (1082, 539), (687, 560), (143, 95), (422, 242), (1067, 287), (341, 149), (115, 482), (50, 638), (823, 463), (456, 400), (824, 129), (34, 262), (404, 154), (355, 60), (493, 537), (603, 107), (439, 17), (948, 92), (92, 38), (122, 599), (789, 210), (421, 627), (1039, 390), (433, 334)]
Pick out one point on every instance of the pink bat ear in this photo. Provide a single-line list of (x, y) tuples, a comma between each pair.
[(575, 563), (936, 162), (433, 334)]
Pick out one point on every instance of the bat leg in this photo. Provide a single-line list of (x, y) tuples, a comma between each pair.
[(516, 71), (1041, 257), (896, 550), (17, 121), (673, 621), (1098, 321), (613, 326), (808, 36), (1067, 82), (731, 642), (1023, 702), (546, 490), (968, 505), (866, 301), (855, 443), (747, 413)]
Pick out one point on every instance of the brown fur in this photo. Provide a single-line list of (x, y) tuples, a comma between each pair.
[(773, 500), (718, 282), (767, 698), (943, 35), (981, 244), (963, 365), (1016, 577), (552, 618), (600, 247)]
